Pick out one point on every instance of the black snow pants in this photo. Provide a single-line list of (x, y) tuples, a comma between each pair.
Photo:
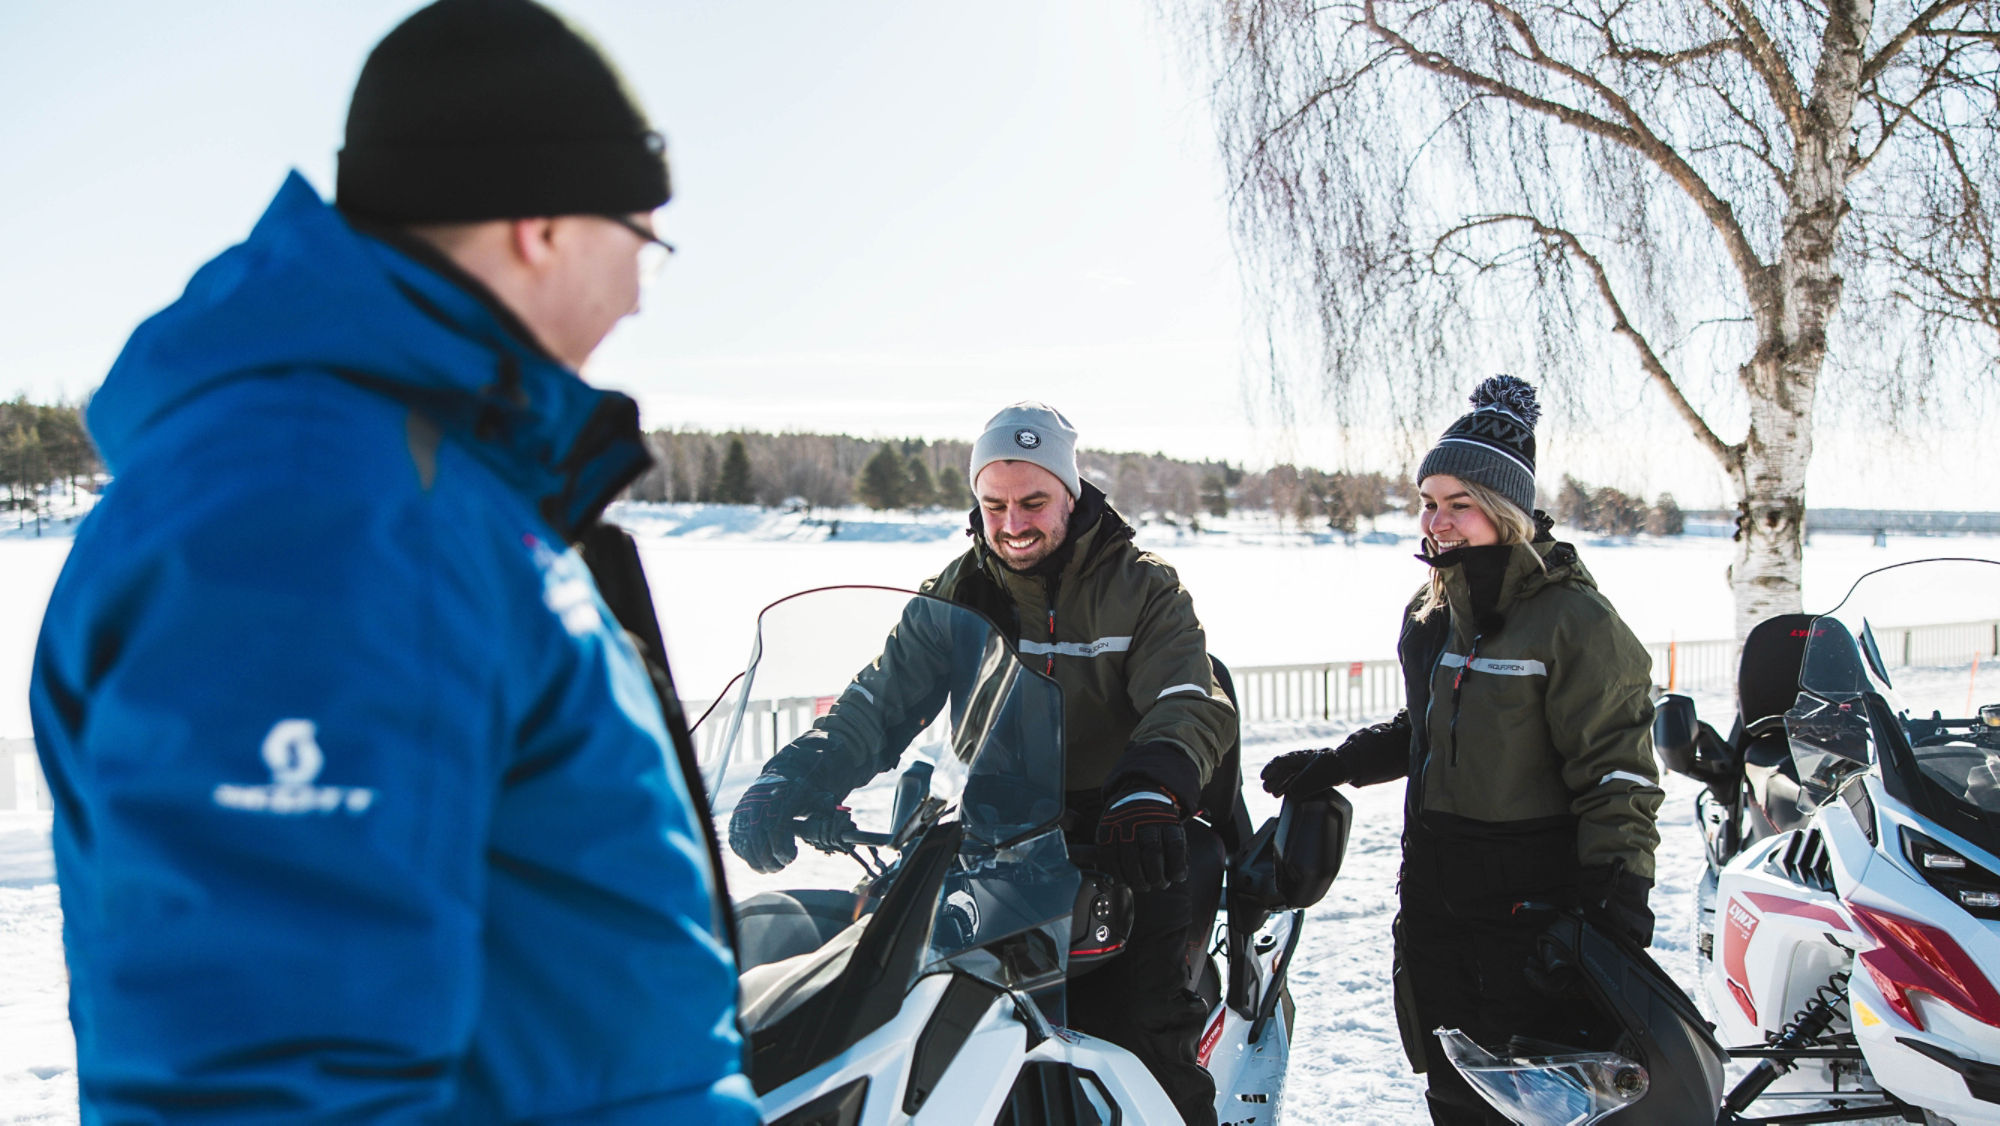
[(1140, 1001), (1469, 975)]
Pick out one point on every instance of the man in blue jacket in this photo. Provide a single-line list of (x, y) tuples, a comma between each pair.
[(366, 805)]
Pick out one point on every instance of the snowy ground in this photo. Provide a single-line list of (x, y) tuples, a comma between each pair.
[(1267, 596), (1347, 1062)]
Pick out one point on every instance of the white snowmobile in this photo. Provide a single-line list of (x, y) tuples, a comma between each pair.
[(1849, 920), (909, 965)]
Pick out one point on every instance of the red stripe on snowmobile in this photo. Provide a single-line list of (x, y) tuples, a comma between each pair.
[(1742, 999), (1778, 904), (1209, 1038), (1738, 924)]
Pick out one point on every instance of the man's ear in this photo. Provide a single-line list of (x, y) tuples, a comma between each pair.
[(532, 241)]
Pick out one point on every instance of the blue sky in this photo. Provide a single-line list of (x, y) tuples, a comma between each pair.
[(894, 217)]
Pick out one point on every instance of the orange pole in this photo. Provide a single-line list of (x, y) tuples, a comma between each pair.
[(1971, 688), (1673, 661)]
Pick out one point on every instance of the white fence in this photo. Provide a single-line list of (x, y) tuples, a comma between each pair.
[(21, 785), (1334, 690)]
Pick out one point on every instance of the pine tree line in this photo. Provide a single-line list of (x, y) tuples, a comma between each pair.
[(834, 470), (42, 446)]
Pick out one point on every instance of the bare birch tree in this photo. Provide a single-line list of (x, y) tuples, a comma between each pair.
[(1748, 193)]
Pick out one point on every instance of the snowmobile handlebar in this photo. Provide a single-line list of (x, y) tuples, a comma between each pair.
[(835, 830)]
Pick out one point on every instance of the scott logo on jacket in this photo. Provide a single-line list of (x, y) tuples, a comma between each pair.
[(292, 752)]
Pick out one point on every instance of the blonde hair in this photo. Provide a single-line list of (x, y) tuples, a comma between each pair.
[(1512, 525)]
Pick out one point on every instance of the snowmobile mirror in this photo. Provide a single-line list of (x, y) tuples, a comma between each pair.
[(1688, 746), (1674, 732), (1292, 860), (1989, 715), (1310, 842), (911, 790)]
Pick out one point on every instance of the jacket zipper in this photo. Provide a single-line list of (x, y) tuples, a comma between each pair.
[(1051, 588), (1458, 682)]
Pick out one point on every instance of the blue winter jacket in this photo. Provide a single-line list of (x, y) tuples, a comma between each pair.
[(365, 810)]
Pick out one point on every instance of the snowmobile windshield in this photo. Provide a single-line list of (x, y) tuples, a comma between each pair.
[(927, 815), (1905, 674), (1545, 1084)]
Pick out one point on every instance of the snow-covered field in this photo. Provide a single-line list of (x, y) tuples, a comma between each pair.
[(1267, 597)]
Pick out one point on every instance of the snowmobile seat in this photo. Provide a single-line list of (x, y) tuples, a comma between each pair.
[(772, 926)]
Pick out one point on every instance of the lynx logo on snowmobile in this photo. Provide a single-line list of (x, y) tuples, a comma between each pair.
[(292, 752)]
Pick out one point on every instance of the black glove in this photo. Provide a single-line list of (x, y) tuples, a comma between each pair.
[(761, 830), (1305, 772), (1361, 754), (1140, 840), (1615, 900)]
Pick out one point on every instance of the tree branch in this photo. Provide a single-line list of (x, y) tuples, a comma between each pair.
[(1621, 325), (1769, 64), (1633, 134), (1920, 25), (1667, 60)]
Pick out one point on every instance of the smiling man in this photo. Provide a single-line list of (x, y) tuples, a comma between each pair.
[(366, 808), (1145, 722)]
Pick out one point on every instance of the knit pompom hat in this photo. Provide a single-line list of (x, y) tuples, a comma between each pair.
[(1493, 445)]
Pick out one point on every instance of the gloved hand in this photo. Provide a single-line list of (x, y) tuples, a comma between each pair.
[(1305, 772), (1140, 840), (761, 830), (825, 830), (1615, 900), (1316, 771)]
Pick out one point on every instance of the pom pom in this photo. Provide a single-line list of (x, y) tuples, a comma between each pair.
[(1509, 394)]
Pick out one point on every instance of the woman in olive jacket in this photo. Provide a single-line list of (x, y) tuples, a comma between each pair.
[(1527, 746)]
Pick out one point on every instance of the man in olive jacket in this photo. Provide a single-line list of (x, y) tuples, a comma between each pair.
[(1145, 722)]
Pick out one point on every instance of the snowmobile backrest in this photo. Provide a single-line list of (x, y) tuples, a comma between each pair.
[(1767, 675)]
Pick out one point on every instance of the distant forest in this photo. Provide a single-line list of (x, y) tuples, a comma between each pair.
[(832, 470), (43, 448)]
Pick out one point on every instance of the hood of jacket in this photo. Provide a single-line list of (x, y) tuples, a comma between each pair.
[(307, 291)]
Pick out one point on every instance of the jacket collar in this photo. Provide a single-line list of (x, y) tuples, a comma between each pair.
[(1482, 585)]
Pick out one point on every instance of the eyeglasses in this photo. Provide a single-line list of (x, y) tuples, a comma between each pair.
[(654, 251)]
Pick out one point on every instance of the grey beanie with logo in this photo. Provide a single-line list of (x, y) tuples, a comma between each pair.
[(1031, 432), (1494, 445)]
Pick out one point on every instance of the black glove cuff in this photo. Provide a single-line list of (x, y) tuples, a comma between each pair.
[(1158, 766), (794, 762)]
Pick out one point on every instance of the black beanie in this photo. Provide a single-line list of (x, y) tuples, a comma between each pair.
[(1494, 445), (494, 109)]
